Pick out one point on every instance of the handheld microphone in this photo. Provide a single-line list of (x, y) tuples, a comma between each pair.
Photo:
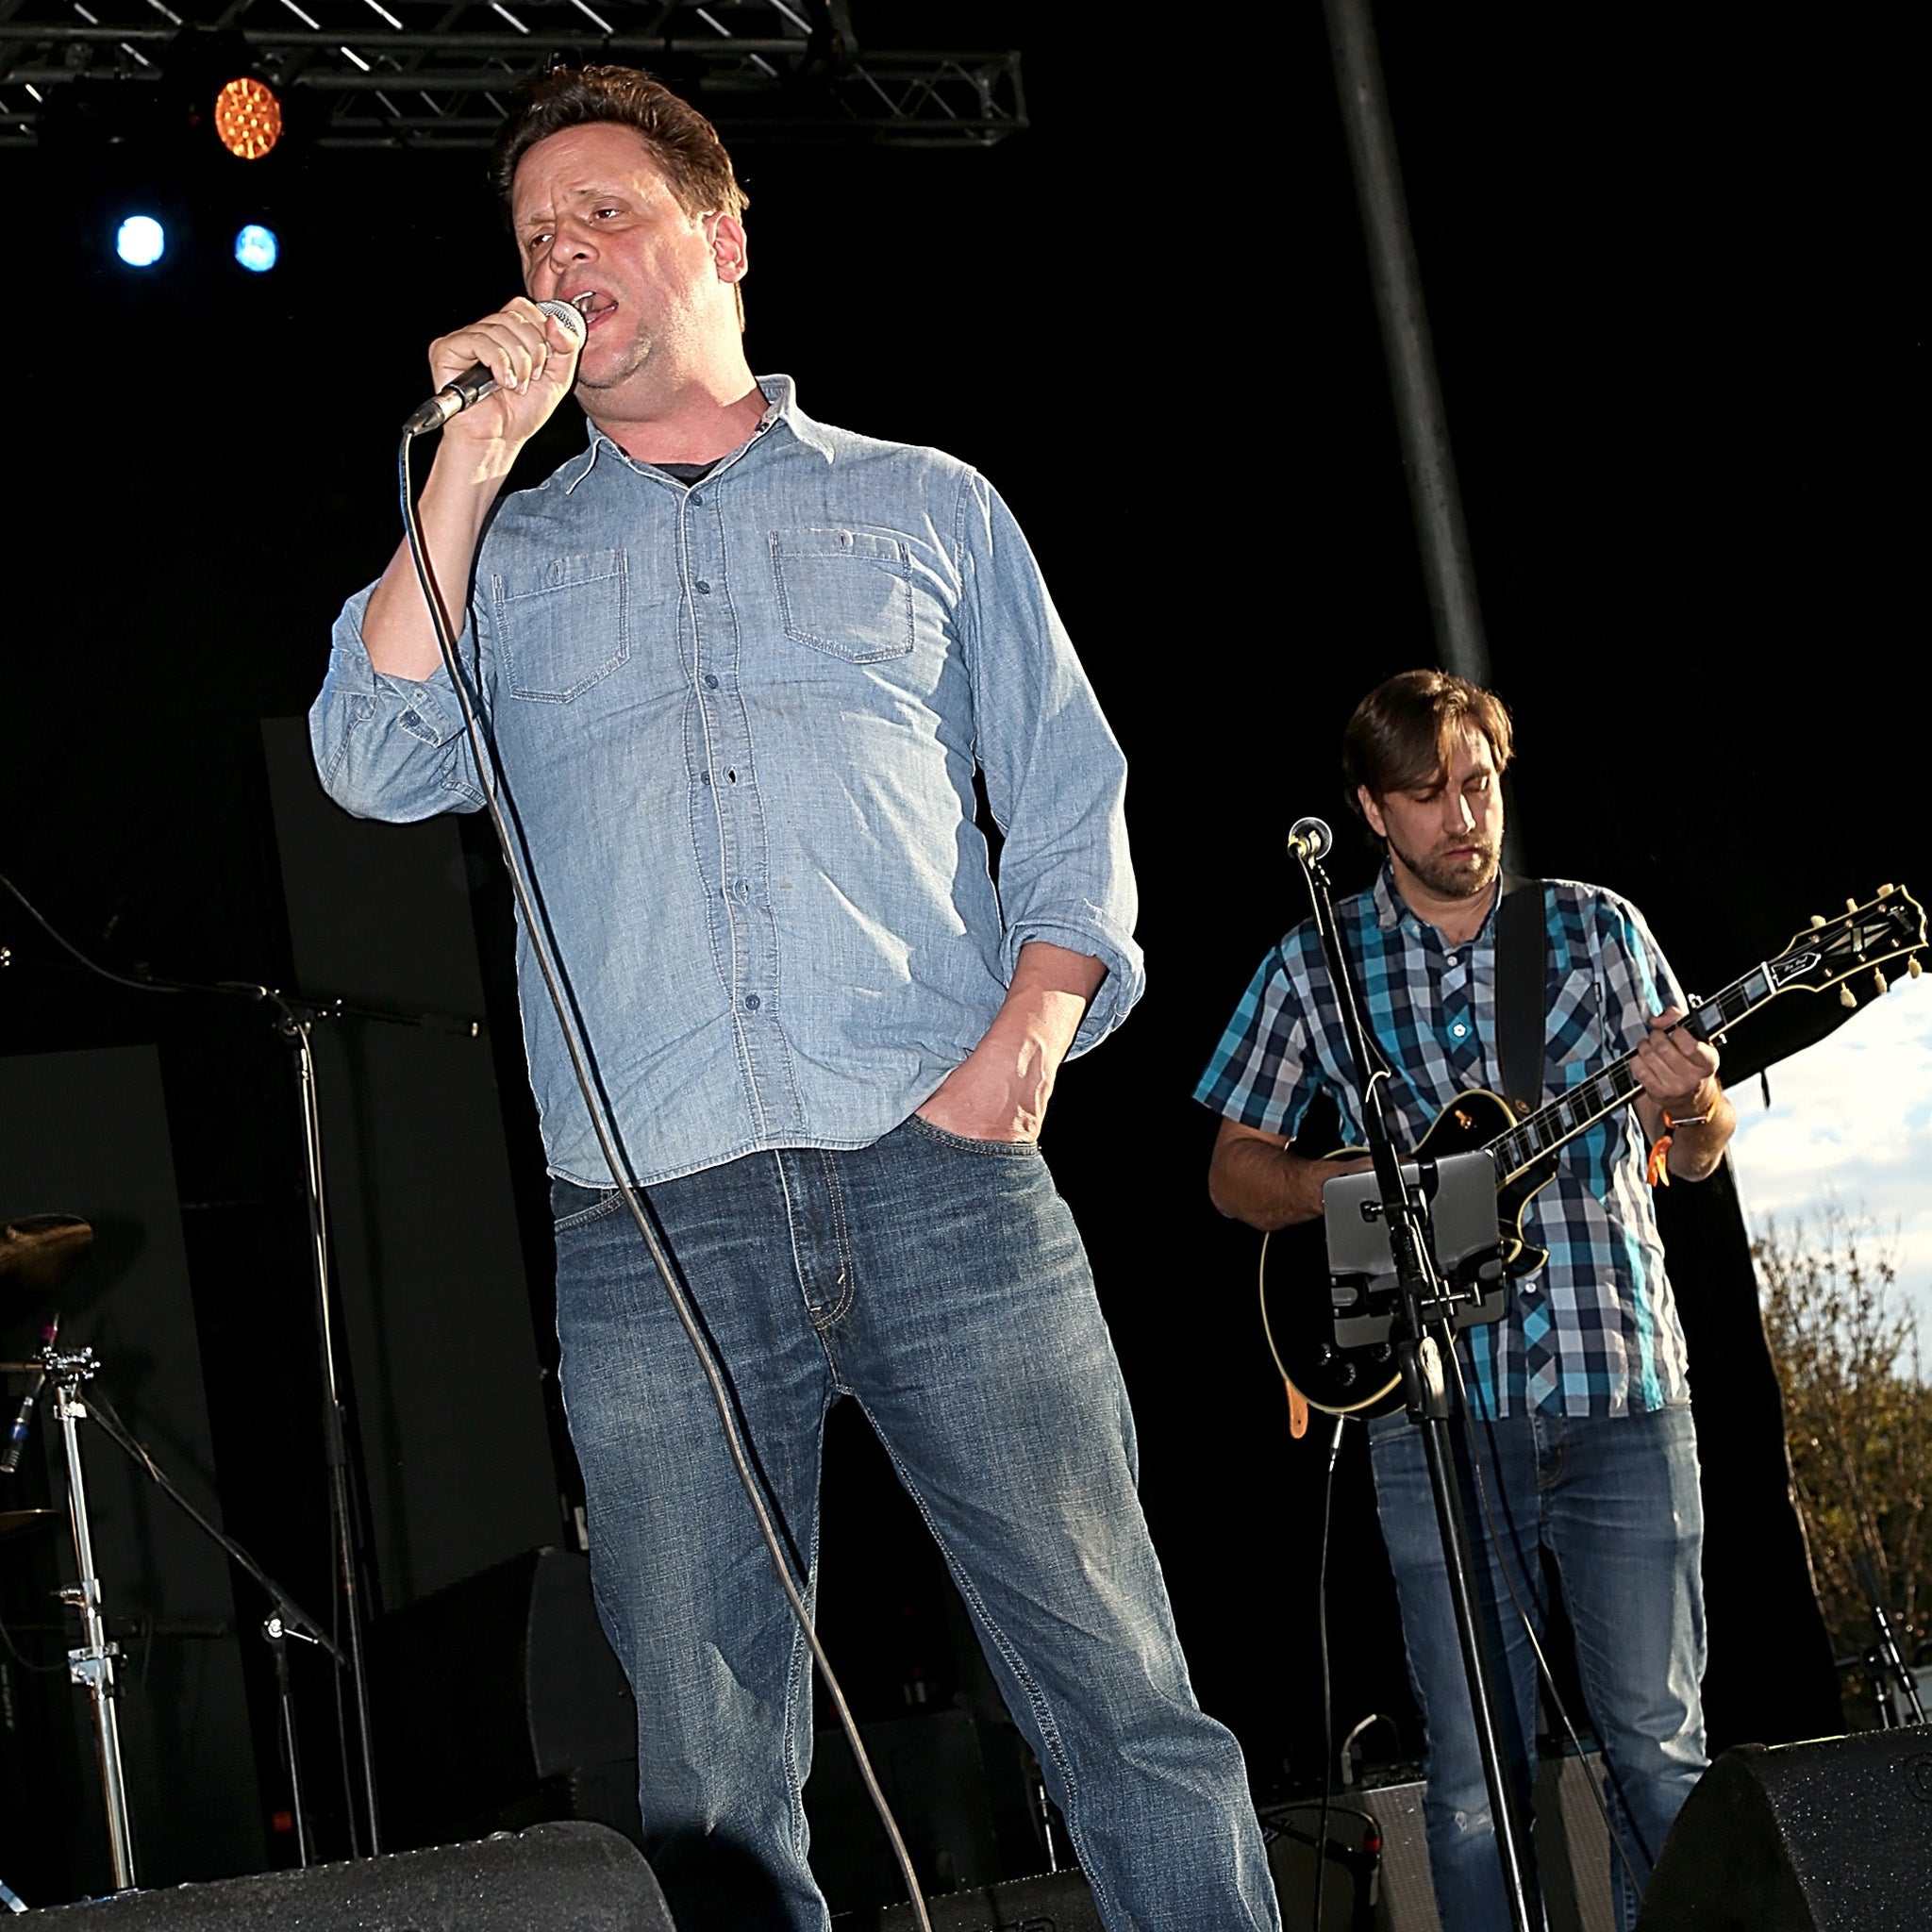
[(1309, 839), (475, 382)]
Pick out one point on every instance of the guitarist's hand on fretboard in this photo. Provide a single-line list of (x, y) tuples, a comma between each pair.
[(1681, 1095)]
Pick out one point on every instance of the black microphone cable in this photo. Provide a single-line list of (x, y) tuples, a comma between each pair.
[(582, 1062)]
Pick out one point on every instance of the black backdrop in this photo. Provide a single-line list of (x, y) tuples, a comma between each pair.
[(1681, 350)]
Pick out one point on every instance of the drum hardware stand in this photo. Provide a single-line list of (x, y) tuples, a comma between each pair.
[(1894, 1687), (92, 1663), (294, 1022), (1421, 1338)]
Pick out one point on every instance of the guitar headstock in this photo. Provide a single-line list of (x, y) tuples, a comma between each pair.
[(1862, 938)]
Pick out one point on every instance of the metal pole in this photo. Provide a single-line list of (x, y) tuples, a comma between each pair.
[(1419, 421), (336, 1423), (93, 1663)]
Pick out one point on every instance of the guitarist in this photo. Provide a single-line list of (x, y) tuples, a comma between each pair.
[(1578, 1402)]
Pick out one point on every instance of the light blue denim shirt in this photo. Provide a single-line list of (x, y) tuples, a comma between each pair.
[(737, 725)]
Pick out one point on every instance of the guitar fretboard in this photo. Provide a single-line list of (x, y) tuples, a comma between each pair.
[(1592, 1100)]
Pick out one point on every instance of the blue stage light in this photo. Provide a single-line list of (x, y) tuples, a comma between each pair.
[(256, 248), (141, 241)]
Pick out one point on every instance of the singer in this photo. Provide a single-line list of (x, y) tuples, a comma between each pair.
[(1581, 1407), (738, 669)]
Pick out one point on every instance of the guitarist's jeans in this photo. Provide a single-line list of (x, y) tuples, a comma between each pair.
[(1615, 1501), (941, 1284)]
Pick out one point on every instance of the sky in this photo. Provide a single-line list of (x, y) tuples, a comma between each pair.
[(1851, 1119)]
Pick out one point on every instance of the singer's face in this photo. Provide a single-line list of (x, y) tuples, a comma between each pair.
[(597, 224), (1445, 838)]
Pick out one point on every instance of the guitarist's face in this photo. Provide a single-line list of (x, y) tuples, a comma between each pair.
[(1445, 838)]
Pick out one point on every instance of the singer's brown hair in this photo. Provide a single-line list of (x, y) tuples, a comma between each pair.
[(1403, 732), (683, 143)]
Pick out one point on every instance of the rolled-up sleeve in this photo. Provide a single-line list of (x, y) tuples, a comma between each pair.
[(1056, 777), (390, 747)]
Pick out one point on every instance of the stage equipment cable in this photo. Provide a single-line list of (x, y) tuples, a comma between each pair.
[(1542, 1662), (1328, 1687), (582, 1061)]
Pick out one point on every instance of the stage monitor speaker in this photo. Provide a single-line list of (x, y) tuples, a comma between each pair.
[(1573, 1854), (499, 1702), (1054, 1902), (1803, 1838), (581, 1875)]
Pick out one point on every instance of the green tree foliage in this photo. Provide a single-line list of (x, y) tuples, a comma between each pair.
[(1858, 1418)]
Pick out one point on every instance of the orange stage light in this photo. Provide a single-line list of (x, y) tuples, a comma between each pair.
[(248, 118)]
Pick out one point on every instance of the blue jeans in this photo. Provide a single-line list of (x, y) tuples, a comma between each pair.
[(1615, 1502), (941, 1285)]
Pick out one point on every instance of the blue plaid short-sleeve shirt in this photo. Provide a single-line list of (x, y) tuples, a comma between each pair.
[(1595, 1331)]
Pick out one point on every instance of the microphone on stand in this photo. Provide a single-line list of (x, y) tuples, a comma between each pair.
[(1309, 839), (475, 382), (22, 1416)]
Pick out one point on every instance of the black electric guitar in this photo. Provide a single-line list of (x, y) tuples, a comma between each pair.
[(1295, 1303)]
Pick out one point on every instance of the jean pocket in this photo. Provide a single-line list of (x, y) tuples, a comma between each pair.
[(573, 1206), (846, 592), (963, 1142), (563, 629)]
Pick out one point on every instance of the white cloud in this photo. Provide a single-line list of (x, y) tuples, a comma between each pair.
[(1851, 1119)]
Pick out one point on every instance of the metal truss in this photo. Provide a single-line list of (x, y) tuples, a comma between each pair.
[(438, 73)]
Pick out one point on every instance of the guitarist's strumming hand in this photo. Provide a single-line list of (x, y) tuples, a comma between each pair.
[(1682, 1097), (1254, 1176)]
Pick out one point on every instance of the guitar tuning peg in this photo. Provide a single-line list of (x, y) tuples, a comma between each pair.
[(1912, 967), (1851, 905), (1878, 980), (1846, 995), (1817, 919), (1886, 891)]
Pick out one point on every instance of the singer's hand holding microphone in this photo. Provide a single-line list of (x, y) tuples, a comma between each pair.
[(498, 379)]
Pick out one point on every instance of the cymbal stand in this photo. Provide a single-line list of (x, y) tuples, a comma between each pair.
[(92, 1663), (286, 1617), (297, 1018)]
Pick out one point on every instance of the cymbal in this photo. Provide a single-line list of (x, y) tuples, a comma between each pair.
[(39, 1254), (11, 1519)]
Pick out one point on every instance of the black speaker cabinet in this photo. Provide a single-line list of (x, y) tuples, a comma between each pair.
[(1827, 1836), (581, 1875), (1054, 1902)]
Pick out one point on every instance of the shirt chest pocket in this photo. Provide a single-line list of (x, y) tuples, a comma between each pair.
[(564, 628), (1575, 1022), (846, 592)]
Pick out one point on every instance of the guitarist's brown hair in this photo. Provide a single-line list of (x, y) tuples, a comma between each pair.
[(1403, 732)]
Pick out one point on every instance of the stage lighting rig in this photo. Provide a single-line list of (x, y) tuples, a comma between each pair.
[(247, 117), (141, 240)]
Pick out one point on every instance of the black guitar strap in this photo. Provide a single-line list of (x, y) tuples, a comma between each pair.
[(1522, 948)]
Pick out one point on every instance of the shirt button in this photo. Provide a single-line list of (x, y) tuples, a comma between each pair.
[(711, 680), (751, 1002), (697, 500), (704, 777), (1459, 1030), (1449, 960), (703, 588)]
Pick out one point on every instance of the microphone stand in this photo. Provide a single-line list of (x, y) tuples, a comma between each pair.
[(1419, 1339)]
